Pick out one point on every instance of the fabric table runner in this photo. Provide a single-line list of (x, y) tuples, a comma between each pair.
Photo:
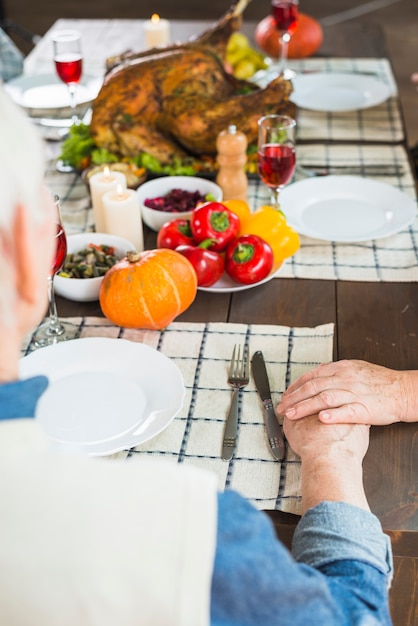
[(202, 352), (393, 258), (375, 135)]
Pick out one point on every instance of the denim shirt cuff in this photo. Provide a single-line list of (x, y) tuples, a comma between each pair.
[(20, 397), (336, 531)]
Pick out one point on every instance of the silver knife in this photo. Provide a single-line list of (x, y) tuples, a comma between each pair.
[(274, 432)]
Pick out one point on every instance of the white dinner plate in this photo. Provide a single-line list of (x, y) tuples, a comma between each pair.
[(226, 285), (105, 394), (346, 208), (47, 91), (338, 92)]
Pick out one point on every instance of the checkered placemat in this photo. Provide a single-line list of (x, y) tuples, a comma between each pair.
[(381, 123), (390, 259), (393, 258), (202, 352)]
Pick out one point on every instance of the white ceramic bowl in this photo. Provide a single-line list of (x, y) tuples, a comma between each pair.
[(162, 186), (87, 289)]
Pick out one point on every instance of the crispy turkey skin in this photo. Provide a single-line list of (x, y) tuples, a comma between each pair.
[(173, 102)]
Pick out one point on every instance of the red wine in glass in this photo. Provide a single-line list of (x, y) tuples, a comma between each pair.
[(276, 164), (69, 67), (61, 250), (285, 16), (54, 330), (68, 61), (276, 156)]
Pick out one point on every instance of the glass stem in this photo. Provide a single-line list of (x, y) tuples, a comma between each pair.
[(284, 40), (275, 198), (73, 103), (55, 326)]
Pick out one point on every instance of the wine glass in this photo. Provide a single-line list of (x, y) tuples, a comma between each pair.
[(52, 330), (68, 60), (276, 156), (285, 14)]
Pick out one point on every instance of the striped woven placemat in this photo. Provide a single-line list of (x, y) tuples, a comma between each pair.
[(381, 123), (202, 352), (391, 259)]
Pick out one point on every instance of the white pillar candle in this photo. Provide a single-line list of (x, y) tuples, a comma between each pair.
[(157, 31), (101, 183), (122, 214)]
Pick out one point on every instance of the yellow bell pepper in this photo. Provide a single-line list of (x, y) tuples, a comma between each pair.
[(239, 207), (270, 224)]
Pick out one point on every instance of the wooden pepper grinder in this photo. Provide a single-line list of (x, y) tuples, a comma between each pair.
[(231, 145)]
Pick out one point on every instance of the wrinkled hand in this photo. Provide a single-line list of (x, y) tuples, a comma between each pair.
[(332, 457), (311, 439), (353, 392)]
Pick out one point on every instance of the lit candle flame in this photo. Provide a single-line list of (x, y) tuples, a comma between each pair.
[(107, 177), (119, 191), (155, 18)]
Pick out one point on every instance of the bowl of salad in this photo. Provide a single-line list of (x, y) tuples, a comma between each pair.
[(89, 256), (174, 197)]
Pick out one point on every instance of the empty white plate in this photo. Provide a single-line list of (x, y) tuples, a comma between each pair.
[(47, 91), (346, 208), (105, 394), (96, 413), (338, 92)]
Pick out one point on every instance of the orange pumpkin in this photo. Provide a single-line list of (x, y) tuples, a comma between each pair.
[(304, 42), (148, 289)]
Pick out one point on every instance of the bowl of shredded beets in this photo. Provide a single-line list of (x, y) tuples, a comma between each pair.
[(174, 197)]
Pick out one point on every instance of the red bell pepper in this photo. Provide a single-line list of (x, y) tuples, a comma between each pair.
[(213, 220), (208, 264), (175, 233), (249, 259)]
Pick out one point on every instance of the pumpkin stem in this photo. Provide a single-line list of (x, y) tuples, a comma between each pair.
[(133, 256)]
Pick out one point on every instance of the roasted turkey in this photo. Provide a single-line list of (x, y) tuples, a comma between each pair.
[(172, 102)]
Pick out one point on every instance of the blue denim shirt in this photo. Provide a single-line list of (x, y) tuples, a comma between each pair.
[(337, 575)]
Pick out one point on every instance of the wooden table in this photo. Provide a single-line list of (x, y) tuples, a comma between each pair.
[(373, 321)]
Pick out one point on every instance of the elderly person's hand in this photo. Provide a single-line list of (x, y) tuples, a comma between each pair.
[(309, 438), (332, 458), (353, 392)]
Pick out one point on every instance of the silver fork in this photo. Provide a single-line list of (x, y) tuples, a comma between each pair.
[(238, 378)]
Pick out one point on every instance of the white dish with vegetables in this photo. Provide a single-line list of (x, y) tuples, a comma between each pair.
[(89, 256), (227, 285), (160, 205)]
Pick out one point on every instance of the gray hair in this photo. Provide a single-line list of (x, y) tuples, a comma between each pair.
[(21, 176), (21, 162)]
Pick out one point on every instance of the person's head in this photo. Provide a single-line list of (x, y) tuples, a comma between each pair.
[(26, 224)]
